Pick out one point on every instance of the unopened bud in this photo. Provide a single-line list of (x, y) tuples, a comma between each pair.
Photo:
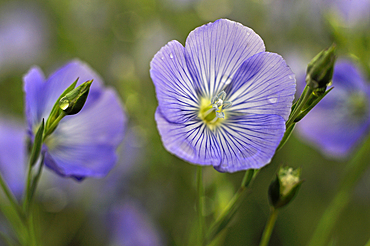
[(320, 69), (73, 101), (284, 188)]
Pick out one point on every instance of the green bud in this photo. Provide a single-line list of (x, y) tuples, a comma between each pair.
[(74, 100), (37, 145), (55, 112), (320, 70), (284, 188)]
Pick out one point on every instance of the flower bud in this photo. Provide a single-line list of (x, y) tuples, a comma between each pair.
[(284, 188), (74, 100), (320, 69)]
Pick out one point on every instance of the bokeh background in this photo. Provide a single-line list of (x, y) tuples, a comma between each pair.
[(149, 197)]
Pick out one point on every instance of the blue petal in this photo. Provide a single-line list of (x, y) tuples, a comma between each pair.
[(173, 83), (89, 138), (41, 95), (248, 141), (13, 155), (333, 125), (80, 161), (215, 51), (347, 76), (191, 141), (264, 84), (333, 136), (35, 96)]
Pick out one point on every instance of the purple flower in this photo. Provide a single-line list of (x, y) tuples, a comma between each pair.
[(12, 155), (222, 100), (340, 121), (83, 145)]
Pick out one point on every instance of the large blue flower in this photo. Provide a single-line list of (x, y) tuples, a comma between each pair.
[(222, 100), (83, 145), (338, 123)]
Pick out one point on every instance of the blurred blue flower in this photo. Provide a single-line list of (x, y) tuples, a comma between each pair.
[(24, 34), (222, 100), (350, 12), (83, 145), (104, 192), (13, 155), (130, 226), (340, 121)]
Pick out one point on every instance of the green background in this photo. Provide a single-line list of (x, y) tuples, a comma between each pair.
[(118, 39)]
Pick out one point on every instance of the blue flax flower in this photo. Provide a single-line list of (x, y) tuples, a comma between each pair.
[(222, 100), (83, 145), (340, 121)]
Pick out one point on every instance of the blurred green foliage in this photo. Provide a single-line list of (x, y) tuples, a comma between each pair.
[(118, 38)]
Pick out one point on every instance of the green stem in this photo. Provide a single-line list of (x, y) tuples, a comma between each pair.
[(231, 207), (248, 177), (32, 185), (35, 181), (55, 123), (297, 110), (31, 240), (31, 232), (354, 170), (28, 189), (32, 182), (269, 227), (11, 197), (200, 190), (9, 241)]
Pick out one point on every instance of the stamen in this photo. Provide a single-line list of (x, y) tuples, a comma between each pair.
[(220, 115), (227, 104), (214, 111)]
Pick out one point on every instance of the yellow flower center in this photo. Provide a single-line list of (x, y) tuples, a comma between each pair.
[(211, 111)]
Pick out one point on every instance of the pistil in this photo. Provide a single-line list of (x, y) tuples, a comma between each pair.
[(212, 111)]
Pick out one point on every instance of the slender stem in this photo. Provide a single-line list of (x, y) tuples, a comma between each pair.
[(55, 123), (17, 223), (231, 207), (31, 235), (354, 170), (248, 177), (32, 185), (32, 231), (269, 227), (36, 180), (306, 95), (31, 240), (32, 182), (7, 239), (11, 197), (200, 190), (28, 189)]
